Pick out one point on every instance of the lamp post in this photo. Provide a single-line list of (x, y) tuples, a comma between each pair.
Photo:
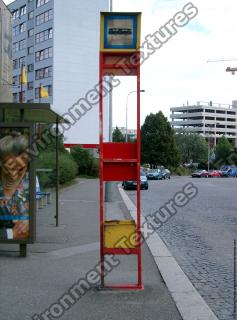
[(126, 139)]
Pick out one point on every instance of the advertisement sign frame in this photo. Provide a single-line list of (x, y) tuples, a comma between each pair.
[(136, 18), (32, 192)]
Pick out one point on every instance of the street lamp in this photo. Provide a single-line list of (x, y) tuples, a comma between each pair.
[(127, 112)]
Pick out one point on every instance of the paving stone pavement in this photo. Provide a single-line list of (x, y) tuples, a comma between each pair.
[(200, 235)]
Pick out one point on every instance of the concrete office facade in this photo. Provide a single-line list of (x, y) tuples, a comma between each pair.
[(208, 119), (5, 53)]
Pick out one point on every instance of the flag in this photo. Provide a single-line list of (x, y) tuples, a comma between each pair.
[(23, 75), (43, 92)]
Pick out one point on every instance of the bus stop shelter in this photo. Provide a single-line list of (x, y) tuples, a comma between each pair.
[(32, 115)]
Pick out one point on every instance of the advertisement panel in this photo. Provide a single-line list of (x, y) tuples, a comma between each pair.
[(17, 183)]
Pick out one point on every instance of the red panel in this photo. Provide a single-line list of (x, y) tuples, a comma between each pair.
[(120, 150), (120, 251), (121, 64), (120, 72), (116, 171)]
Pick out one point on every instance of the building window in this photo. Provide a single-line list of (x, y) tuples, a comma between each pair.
[(44, 17), (22, 27), (30, 50), (40, 3), (15, 14), (44, 35), (15, 80), (30, 101), (15, 64), (30, 15), (22, 10), (44, 54), (15, 97), (22, 44), (21, 61), (30, 85), (30, 33), (15, 47), (15, 31), (44, 73), (30, 67)]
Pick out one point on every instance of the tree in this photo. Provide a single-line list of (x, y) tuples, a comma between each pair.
[(192, 147), (86, 163), (158, 142), (224, 150), (117, 135)]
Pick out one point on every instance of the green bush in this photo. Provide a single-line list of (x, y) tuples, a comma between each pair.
[(67, 168), (87, 164), (181, 171)]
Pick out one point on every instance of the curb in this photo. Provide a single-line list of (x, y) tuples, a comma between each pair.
[(190, 304)]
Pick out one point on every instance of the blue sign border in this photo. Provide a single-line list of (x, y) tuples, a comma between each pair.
[(120, 17)]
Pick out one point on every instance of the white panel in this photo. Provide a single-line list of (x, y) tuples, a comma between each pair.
[(76, 63)]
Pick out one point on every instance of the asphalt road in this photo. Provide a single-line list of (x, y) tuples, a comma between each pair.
[(201, 235)]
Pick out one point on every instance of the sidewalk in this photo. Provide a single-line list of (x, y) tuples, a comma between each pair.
[(63, 255)]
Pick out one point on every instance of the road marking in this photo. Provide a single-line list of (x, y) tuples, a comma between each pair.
[(72, 251), (187, 299)]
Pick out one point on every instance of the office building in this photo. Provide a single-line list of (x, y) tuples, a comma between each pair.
[(208, 119), (5, 53)]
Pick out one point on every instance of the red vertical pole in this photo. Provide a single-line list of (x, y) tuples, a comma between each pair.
[(138, 179), (101, 172)]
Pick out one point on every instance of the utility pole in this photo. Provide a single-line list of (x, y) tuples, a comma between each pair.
[(108, 184)]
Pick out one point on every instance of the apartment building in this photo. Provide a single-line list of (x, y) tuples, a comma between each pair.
[(211, 120), (5, 53), (58, 42)]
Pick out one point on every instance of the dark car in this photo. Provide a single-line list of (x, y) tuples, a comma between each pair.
[(200, 174), (153, 174), (132, 184), (165, 174)]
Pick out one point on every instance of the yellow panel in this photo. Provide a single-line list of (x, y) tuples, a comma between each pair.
[(139, 30), (116, 230), (102, 26)]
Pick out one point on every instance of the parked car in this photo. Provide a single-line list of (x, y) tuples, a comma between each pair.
[(153, 174), (165, 174), (200, 174), (230, 173), (225, 168), (214, 173), (132, 184)]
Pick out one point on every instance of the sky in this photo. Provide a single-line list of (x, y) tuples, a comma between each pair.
[(178, 72)]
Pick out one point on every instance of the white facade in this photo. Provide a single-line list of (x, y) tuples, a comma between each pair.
[(208, 119), (76, 64)]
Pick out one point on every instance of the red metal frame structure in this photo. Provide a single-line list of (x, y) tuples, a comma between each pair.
[(120, 161)]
